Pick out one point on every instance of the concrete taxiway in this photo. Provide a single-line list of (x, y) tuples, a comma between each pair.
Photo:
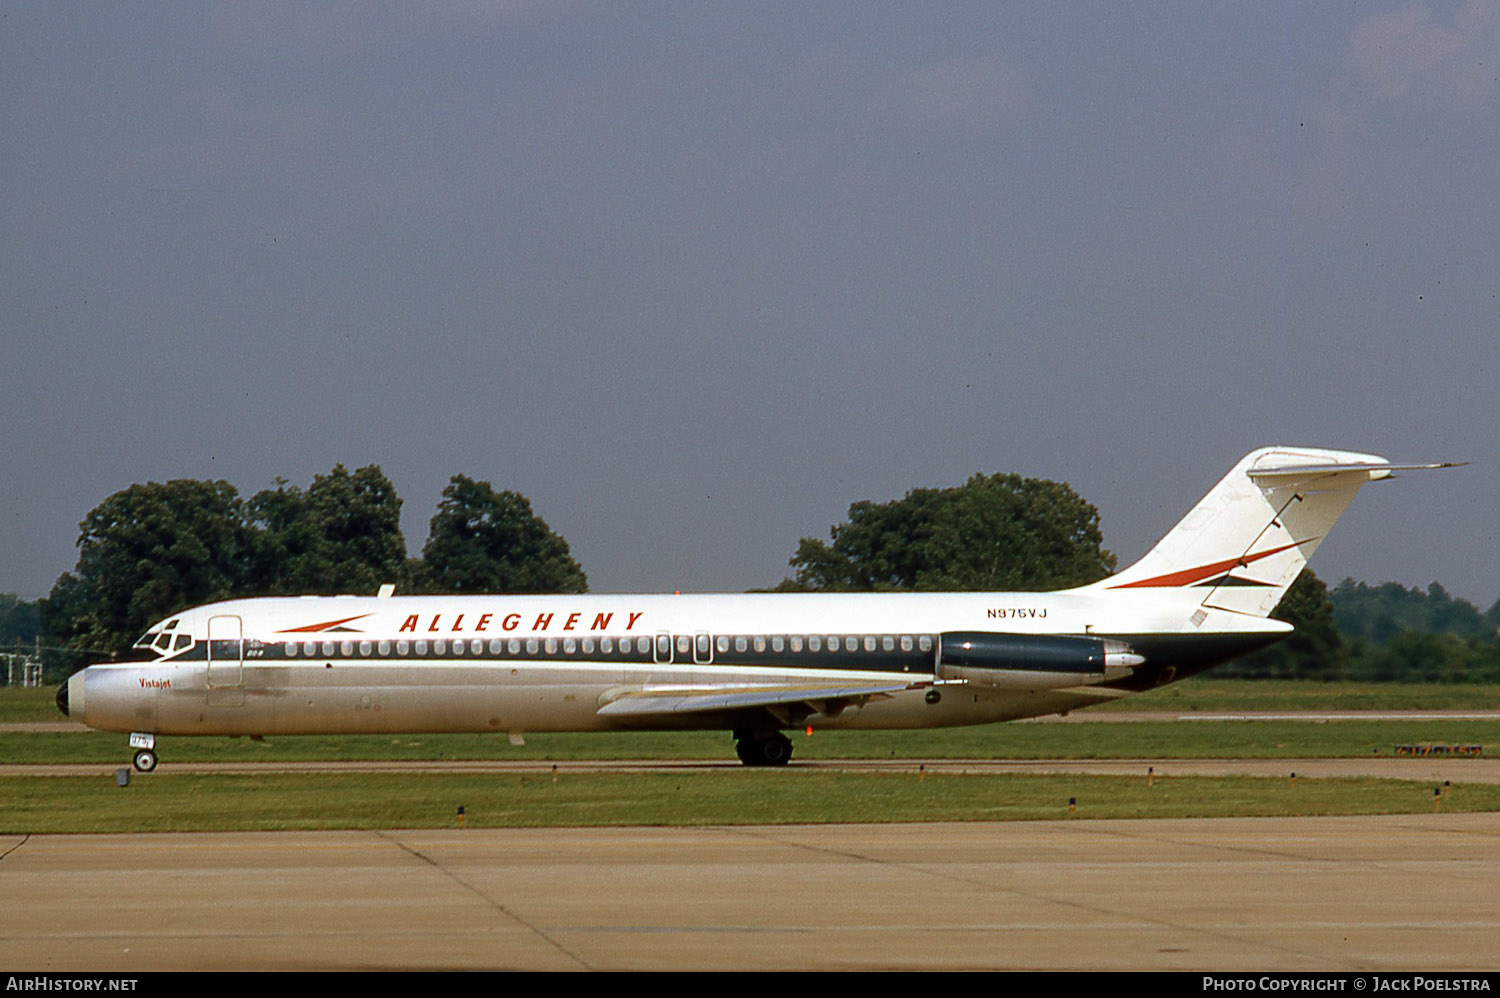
[(1332, 894)]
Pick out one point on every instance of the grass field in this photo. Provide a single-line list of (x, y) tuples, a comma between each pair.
[(1204, 693), (386, 800), (166, 801), (1134, 740), (1138, 739)]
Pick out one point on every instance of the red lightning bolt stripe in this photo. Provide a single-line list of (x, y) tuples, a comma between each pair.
[(311, 628), (1188, 576)]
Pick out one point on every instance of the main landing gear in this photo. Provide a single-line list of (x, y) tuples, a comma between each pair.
[(762, 748)]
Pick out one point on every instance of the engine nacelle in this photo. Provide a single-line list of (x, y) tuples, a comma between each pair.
[(1032, 661)]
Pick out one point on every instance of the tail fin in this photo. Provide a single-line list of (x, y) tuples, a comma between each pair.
[(1244, 543)]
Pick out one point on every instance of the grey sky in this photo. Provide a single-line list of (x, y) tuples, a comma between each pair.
[(695, 277)]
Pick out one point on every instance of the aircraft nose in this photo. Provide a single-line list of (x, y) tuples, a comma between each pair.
[(62, 698)]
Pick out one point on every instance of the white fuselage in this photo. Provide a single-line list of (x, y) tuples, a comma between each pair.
[(555, 663)]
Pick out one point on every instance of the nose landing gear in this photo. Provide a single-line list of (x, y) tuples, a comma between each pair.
[(145, 746)]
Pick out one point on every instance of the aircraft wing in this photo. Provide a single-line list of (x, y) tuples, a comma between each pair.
[(830, 700)]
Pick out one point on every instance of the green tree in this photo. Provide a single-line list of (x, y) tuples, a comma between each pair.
[(1378, 614), (483, 541), (1400, 634), (145, 553), (19, 620), (994, 532), (1428, 657), (342, 535)]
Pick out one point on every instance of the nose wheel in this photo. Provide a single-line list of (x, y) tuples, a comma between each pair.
[(145, 755)]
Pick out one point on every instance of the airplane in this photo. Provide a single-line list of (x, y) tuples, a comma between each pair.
[(756, 664)]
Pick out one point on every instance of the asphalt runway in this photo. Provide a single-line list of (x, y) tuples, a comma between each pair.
[(1317, 894)]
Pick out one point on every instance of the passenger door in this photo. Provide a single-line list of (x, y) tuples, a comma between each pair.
[(226, 661)]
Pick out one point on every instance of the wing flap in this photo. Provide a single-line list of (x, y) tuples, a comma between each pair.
[(657, 703)]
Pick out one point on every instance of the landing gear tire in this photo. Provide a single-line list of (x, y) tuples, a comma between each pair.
[(145, 760), (770, 750)]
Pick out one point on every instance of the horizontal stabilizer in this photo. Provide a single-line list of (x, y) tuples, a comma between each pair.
[(1373, 472)]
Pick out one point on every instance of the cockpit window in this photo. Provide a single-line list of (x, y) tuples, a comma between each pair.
[(183, 640), (165, 641), (171, 625), (146, 640)]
